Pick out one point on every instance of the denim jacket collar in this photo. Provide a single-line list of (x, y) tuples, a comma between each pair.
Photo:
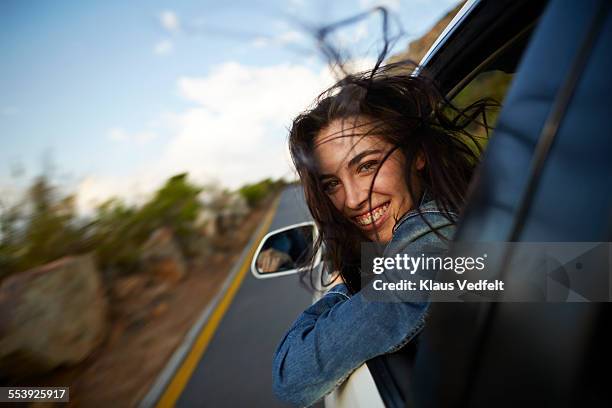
[(427, 208)]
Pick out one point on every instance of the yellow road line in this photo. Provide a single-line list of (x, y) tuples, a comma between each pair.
[(179, 381)]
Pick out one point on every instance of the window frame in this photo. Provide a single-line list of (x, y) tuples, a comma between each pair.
[(451, 62)]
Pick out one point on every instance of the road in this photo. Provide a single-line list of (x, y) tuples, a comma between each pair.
[(236, 369)]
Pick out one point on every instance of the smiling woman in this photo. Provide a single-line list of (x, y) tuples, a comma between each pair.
[(382, 157), (348, 155), (375, 145)]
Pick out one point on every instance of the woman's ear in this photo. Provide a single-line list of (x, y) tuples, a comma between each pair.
[(419, 162)]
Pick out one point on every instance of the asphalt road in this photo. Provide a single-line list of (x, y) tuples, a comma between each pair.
[(236, 369)]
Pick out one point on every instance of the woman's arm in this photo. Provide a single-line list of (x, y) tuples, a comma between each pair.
[(337, 334)]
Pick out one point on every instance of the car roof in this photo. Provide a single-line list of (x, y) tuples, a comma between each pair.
[(447, 33)]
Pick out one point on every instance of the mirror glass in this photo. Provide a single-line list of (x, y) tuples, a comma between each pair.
[(285, 250)]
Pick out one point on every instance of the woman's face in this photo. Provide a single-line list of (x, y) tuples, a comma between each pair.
[(348, 154)]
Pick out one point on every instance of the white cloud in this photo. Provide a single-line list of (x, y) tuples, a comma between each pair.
[(169, 21), (163, 47), (361, 31), (132, 190), (237, 130), (290, 37), (285, 38), (260, 42), (353, 66), (121, 135), (295, 6)]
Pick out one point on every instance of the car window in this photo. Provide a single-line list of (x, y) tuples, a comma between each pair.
[(547, 181), (483, 72), (493, 85)]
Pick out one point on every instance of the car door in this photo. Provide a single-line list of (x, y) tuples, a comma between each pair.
[(545, 178), (475, 57)]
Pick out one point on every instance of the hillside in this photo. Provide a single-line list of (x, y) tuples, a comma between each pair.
[(417, 48)]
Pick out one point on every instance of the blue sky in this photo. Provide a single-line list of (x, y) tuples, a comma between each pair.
[(120, 95)]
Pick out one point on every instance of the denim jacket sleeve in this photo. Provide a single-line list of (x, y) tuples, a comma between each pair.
[(340, 332)]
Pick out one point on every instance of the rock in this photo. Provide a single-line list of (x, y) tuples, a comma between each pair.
[(200, 247), (169, 270), (222, 214), (162, 256), (51, 316), (208, 221), (129, 286), (159, 309)]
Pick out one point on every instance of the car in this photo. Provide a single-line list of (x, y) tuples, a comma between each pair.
[(544, 177)]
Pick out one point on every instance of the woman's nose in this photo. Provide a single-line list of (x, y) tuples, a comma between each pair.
[(356, 195)]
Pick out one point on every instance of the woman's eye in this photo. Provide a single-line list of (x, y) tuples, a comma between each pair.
[(367, 166), (330, 186)]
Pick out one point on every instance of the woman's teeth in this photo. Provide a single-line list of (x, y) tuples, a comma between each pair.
[(373, 216)]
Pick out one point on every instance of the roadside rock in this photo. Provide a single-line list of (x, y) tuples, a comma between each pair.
[(50, 316), (223, 212), (162, 257), (129, 286), (209, 222)]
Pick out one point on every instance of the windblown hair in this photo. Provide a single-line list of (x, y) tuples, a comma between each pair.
[(408, 112)]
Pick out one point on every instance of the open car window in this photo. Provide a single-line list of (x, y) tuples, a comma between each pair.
[(478, 60), (546, 180)]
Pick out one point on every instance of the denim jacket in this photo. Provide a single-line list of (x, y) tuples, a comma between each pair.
[(338, 333)]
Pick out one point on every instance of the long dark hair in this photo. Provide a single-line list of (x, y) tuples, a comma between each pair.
[(411, 114), (408, 112)]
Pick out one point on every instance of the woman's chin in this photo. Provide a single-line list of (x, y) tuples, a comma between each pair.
[(382, 235), (382, 238)]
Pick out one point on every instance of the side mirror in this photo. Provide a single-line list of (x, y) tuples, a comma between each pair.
[(285, 251)]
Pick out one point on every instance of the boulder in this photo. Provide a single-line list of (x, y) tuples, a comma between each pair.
[(162, 257), (222, 214), (50, 316), (129, 286), (208, 222)]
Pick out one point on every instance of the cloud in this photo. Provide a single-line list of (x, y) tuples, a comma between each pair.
[(260, 42), (163, 47), (295, 6), (121, 135), (134, 189), (290, 37), (361, 31), (353, 66), (234, 131), (287, 37), (169, 21), (237, 130)]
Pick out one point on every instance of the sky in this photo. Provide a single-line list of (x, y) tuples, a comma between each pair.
[(110, 98)]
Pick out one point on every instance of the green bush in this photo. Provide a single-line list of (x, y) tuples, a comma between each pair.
[(120, 231), (44, 226), (255, 193), (48, 229), (46, 232)]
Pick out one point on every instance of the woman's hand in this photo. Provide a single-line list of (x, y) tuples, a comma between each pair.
[(271, 260)]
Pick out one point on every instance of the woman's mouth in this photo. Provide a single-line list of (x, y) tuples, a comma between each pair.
[(374, 217)]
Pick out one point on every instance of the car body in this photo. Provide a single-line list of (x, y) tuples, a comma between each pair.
[(544, 177)]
